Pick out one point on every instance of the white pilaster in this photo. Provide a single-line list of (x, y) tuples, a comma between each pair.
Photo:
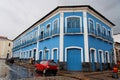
[(37, 49), (86, 51), (102, 57), (61, 35)]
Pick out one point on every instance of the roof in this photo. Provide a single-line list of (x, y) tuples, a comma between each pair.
[(66, 7), (4, 38)]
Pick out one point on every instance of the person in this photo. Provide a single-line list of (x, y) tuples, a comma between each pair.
[(31, 61), (115, 72)]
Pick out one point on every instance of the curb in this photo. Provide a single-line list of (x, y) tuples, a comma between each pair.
[(72, 76)]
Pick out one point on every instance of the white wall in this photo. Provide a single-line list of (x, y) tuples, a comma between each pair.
[(116, 38)]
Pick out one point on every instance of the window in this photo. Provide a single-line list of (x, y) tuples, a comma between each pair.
[(104, 31), (9, 45), (42, 34), (30, 53), (73, 24), (48, 30), (35, 34), (98, 28), (31, 35), (109, 33), (91, 26), (55, 27), (106, 57)]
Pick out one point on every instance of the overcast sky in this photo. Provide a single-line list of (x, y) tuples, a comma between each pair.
[(17, 15)]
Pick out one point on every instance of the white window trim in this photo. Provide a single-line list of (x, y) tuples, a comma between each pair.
[(71, 47), (105, 30), (36, 33), (48, 53), (31, 53), (36, 53), (42, 54), (76, 17), (97, 23), (27, 52), (42, 29), (95, 55), (93, 24), (110, 32), (108, 56), (46, 27), (101, 55), (52, 56), (31, 35), (57, 19)]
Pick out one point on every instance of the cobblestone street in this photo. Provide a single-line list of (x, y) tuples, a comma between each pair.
[(17, 72), (78, 76)]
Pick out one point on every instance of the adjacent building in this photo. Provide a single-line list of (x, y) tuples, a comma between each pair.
[(78, 38), (117, 46), (5, 47)]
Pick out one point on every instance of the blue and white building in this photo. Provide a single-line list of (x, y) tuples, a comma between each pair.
[(77, 37)]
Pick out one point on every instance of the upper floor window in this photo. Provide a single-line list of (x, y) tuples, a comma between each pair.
[(104, 31), (35, 34), (55, 27), (91, 26), (47, 30), (42, 33), (72, 24), (31, 35), (9, 45), (109, 33), (106, 53), (98, 26)]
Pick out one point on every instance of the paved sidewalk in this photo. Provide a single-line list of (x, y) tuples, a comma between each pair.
[(70, 75)]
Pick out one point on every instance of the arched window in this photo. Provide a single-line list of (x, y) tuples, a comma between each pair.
[(106, 57), (91, 26), (73, 24), (47, 30), (42, 33), (98, 26), (55, 27)]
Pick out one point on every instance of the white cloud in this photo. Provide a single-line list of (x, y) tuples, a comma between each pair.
[(18, 15)]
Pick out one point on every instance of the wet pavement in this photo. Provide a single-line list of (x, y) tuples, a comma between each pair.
[(14, 72)]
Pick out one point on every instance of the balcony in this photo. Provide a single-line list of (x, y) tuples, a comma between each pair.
[(73, 30), (47, 34), (55, 32), (41, 37), (34, 39), (104, 37), (92, 32)]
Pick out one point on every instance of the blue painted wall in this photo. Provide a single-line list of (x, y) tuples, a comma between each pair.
[(97, 20), (67, 14), (73, 40), (49, 43), (93, 41)]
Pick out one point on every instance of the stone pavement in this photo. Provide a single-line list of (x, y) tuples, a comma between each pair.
[(66, 75), (70, 75)]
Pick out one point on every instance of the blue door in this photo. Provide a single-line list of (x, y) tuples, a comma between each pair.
[(106, 60), (100, 61), (40, 56), (34, 54), (92, 60), (74, 59), (46, 55), (55, 55)]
